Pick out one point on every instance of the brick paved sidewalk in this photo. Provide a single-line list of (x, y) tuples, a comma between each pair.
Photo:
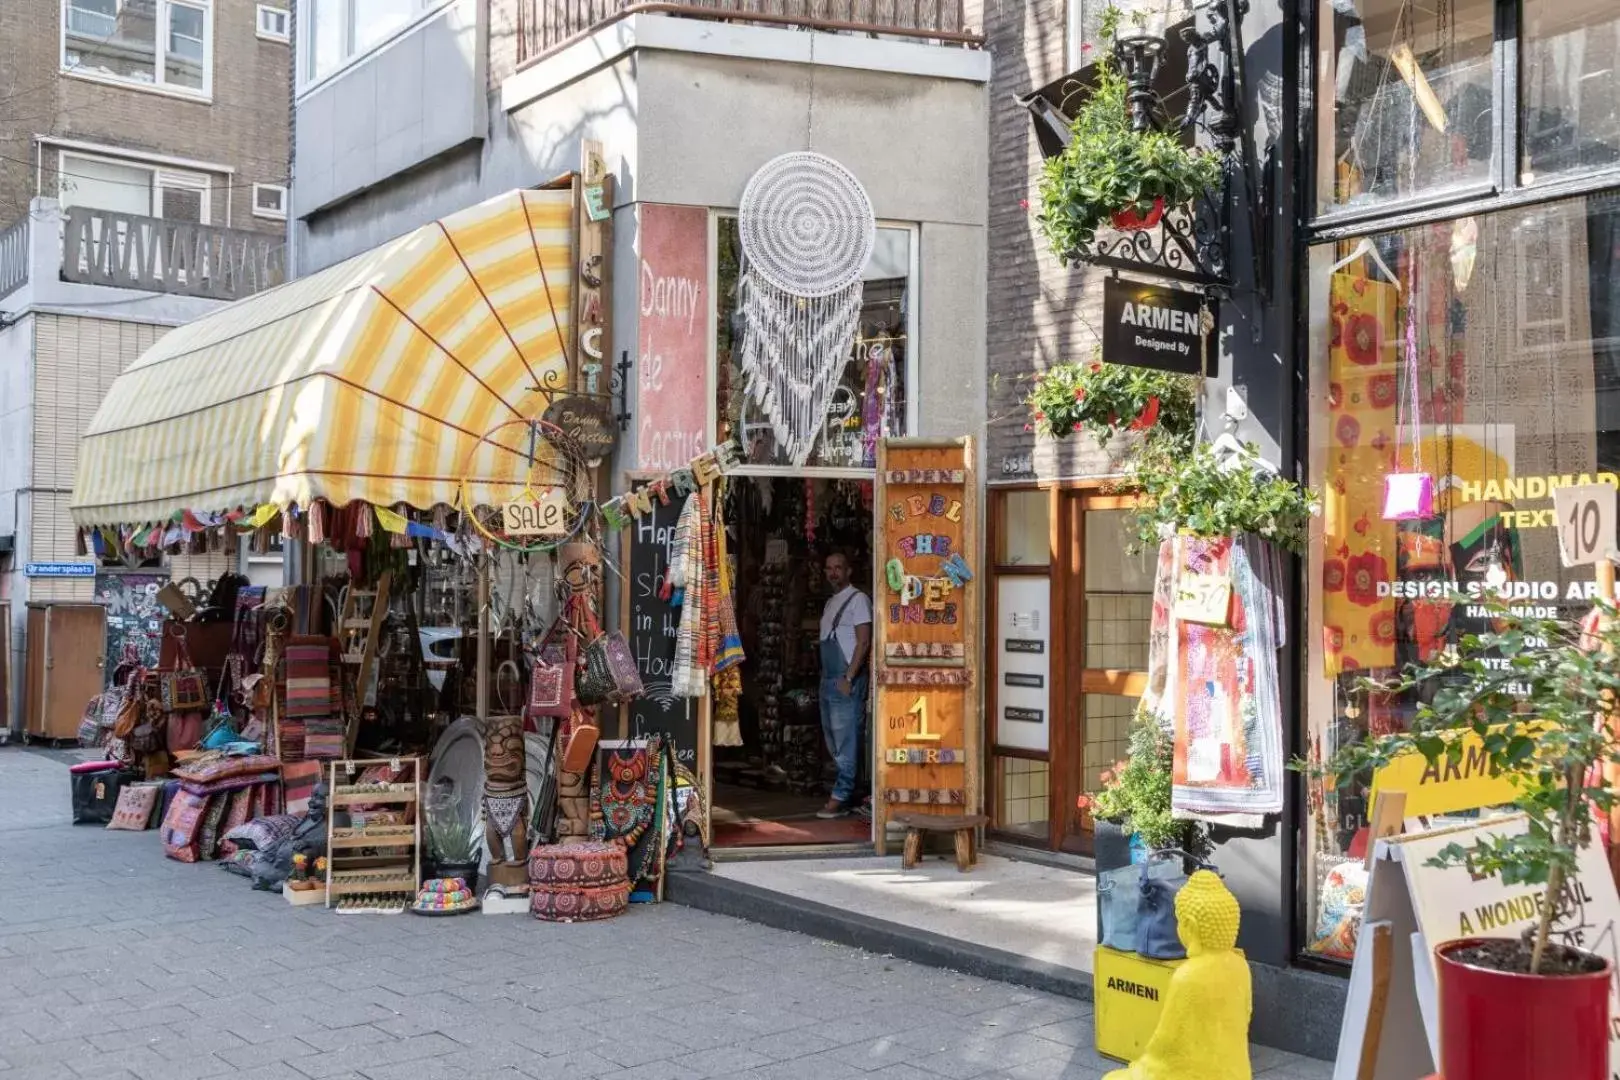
[(116, 962)]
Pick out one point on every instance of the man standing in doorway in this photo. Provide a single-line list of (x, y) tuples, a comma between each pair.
[(846, 638)]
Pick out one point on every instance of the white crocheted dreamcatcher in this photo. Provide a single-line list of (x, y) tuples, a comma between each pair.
[(807, 230)]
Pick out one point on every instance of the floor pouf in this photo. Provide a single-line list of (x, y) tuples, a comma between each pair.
[(580, 865), (578, 903), (579, 882)]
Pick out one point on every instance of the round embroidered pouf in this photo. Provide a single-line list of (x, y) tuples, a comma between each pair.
[(575, 903), (580, 866)]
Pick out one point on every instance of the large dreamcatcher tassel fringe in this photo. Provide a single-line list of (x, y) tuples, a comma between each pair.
[(807, 229)]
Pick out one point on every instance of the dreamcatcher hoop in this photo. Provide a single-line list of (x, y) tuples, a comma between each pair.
[(556, 467)]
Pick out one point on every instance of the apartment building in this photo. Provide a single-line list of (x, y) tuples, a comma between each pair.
[(143, 183)]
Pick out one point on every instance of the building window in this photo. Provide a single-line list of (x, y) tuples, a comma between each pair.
[(270, 201), (871, 399), (274, 23), (1570, 55), (133, 187), (1484, 351), (155, 43), (341, 30)]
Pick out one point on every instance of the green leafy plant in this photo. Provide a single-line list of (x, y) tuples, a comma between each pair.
[(1109, 167), (1196, 490), (1136, 791), (451, 840), (1535, 698), (1110, 398)]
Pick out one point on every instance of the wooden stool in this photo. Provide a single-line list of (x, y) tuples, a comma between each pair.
[(962, 825)]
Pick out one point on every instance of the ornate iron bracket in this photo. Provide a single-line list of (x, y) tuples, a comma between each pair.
[(621, 389), (1192, 243)]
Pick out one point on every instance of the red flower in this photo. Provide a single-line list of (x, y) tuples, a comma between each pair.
[(1338, 332), (1348, 430), (1079, 393), (1349, 663), (1383, 628), (1360, 286), (1381, 391), (1333, 576), (1095, 368), (1363, 339), (1363, 575), (1029, 427), (1023, 204), (1039, 415), (1085, 48), (1148, 416), (1083, 802), (1077, 426), (1332, 638)]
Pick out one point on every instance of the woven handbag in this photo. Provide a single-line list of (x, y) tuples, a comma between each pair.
[(185, 689), (551, 680), (607, 669)]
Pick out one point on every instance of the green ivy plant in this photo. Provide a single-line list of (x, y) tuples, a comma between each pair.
[(1109, 167), (1536, 697), (1136, 791), (1110, 398), (1195, 490)]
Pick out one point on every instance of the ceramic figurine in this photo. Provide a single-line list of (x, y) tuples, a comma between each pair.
[(1204, 1028)]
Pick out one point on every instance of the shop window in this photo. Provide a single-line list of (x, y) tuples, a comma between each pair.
[(341, 31), (872, 397), (1108, 734), (165, 43), (1022, 797), (1571, 86), (1406, 105), (1119, 594), (1484, 351), (1025, 536)]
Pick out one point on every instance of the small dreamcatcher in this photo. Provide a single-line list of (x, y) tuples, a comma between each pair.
[(526, 486)]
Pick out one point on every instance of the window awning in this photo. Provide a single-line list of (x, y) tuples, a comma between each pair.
[(384, 379)]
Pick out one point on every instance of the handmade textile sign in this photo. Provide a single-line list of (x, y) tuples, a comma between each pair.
[(1154, 326), (807, 230), (925, 624), (672, 358)]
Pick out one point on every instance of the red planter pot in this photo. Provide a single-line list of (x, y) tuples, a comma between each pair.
[(1497, 1025), (1130, 221)]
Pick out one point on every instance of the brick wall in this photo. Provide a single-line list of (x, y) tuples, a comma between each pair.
[(1039, 313), (244, 126)]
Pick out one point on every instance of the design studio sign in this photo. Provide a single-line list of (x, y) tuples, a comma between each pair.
[(1152, 326)]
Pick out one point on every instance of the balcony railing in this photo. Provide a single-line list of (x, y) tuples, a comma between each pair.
[(544, 26), (128, 251), (13, 256)]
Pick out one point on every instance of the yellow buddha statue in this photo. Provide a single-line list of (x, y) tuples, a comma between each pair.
[(1203, 1032)]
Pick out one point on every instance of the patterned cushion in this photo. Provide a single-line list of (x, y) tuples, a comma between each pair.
[(135, 806), (183, 823), (264, 833), (208, 836), (209, 769), (567, 903), (582, 865)]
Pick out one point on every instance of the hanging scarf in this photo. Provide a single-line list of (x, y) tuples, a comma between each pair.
[(686, 584), (729, 652)]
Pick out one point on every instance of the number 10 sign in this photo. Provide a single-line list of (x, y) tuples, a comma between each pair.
[(1586, 518)]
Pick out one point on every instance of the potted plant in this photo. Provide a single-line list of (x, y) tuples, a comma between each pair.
[(455, 845), (1110, 172), (1110, 398), (1203, 493), (1134, 801), (1536, 695)]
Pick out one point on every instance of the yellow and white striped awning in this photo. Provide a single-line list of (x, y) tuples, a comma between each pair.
[(379, 379)]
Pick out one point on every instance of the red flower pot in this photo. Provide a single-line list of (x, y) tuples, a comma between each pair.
[(1148, 416), (1499, 1025), (1128, 220)]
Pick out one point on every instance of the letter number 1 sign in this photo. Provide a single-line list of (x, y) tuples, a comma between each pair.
[(1585, 518)]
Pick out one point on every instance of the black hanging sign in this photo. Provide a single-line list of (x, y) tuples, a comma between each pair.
[(652, 632), (587, 421), (1153, 326)]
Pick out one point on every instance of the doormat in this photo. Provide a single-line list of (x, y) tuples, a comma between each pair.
[(849, 830)]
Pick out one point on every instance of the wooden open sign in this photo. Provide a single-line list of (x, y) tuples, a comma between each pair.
[(538, 513)]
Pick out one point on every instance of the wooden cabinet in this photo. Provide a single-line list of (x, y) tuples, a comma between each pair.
[(65, 653)]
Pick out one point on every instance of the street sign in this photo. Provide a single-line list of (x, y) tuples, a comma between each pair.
[(1585, 516), (59, 569)]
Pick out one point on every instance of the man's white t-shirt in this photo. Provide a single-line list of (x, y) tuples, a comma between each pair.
[(857, 612)]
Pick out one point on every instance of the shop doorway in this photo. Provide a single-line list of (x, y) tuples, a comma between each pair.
[(768, 789), (1072, 607)]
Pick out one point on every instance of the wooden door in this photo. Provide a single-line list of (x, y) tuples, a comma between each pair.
[(34, 672), (74, 653), (5, 665)]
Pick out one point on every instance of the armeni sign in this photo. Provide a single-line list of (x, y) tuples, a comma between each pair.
[(1153, 326)]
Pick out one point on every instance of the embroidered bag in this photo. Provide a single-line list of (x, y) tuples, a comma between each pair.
[(551, 681), (185, 689), (607, 674)]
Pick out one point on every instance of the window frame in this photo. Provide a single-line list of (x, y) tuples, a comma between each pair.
[(269, 215), (913, 328), (1504, 187), (264, 33), (304, 58), (163, 177), (160, 52)]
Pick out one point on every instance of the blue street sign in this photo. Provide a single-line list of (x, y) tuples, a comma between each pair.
[(60, 569)]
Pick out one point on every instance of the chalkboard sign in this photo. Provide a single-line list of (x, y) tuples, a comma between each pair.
[(652, 631), (134, 616)]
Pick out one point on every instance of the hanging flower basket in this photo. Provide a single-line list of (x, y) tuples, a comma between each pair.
[(1131, 220), (1109, 399)]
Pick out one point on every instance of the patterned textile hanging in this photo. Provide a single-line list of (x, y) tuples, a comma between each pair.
[(807, 230), (686, 581)]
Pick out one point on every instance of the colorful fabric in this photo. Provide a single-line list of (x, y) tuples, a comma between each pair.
[(686, 580), (264, 833), (298, 782), (208, 835), (729, 652), (1218, 691), (1358, 624), (135, 805), (183, 824), (573, 903), (582, 865), (1340, 903), (239, 810), (215, 766), (309, 685)]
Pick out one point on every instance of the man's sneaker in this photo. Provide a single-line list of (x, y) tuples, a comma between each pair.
[(832, 809), (864, 811)]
